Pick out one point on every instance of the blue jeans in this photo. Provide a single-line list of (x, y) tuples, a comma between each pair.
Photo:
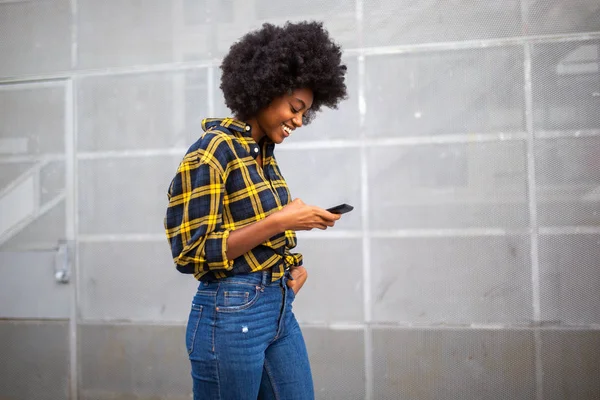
[(244, 342)]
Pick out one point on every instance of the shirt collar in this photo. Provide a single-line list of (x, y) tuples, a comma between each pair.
[(229, 123), (241, 130)]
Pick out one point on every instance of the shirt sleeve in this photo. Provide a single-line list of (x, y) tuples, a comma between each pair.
[(194, 218)]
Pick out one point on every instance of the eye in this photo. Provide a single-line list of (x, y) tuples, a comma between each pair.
[(294, 110)]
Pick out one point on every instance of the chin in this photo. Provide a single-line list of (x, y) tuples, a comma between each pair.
[(277, 139)]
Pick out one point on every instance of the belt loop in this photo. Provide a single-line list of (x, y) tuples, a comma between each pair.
[(265, 278)]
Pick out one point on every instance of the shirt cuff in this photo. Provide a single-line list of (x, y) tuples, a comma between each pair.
[(215, 251)]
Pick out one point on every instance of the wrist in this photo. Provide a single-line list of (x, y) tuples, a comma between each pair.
[(277, 222)]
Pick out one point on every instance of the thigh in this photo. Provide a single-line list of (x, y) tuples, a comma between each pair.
[(286, 372), (227, 343), (198, 340)]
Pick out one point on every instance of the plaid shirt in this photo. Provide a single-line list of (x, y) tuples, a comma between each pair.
[(218, 188)]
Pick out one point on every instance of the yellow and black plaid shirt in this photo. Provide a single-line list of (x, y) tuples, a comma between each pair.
[(219, 187)]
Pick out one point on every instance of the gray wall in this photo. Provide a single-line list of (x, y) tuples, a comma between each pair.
[(469, 146)]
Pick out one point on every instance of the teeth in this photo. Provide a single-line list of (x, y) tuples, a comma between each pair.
[(285, 128)]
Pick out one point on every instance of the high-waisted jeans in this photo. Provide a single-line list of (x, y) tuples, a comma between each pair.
[(244, 342)]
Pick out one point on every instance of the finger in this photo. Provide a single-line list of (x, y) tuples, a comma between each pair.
[(326, 215), (326, 222), (296, 284), (298, 272), (292, 284)]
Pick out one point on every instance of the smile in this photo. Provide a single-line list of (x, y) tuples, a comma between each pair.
[(287, 129)]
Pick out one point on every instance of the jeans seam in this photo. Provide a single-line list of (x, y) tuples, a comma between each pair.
[(218, 379), (213, 324), (271, 380), (193, 342)]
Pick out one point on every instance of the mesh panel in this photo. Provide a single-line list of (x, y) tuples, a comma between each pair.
[(469, 147), (566, 88), (568, 189), (34, 37), (444, 192), (449, 92), (555, 17), (393, 22), (453, 364)]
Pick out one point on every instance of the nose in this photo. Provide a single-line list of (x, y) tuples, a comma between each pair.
[(297, 120)]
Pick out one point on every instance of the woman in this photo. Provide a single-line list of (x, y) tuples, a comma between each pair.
[(231, 221)]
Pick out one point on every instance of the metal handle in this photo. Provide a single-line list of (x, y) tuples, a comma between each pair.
[(62, 264)]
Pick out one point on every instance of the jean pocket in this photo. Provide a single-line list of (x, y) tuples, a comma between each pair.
[(237, 299), (192, 326)]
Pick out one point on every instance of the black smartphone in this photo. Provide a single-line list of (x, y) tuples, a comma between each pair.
[(341, 209)]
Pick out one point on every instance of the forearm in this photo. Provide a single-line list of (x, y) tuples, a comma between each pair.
[(240, 241)]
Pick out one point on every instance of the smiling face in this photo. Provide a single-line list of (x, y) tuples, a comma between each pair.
[(280, 118)]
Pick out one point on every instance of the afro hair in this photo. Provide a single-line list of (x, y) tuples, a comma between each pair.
[(274, 60)]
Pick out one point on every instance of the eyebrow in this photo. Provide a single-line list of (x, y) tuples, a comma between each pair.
[(303, 103)]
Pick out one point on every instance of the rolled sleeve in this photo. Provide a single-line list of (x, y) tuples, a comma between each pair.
[(194, 218), (215, 250)]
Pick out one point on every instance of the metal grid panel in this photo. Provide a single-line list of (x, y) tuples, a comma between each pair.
[(452, 281), (337, 362), (43, 377), (473, 185), (105, 37), (468, 364), (34, 116), (141, 111), (568, 186), (334, 268), (127, 281), (447, 92), (32, 147), (236, 17), (12, 171), (52, 181), (557, 16), (570, 282), (34, 37), (41, 233), (104, 184), (571, 364), (566, 88), (393, 22), (112, 371)]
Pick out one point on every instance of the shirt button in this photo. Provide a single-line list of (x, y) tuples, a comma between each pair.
[(256, 149), (247, 127)]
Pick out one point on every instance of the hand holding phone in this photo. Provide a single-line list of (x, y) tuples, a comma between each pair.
[(340, 209), (297, 216)]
